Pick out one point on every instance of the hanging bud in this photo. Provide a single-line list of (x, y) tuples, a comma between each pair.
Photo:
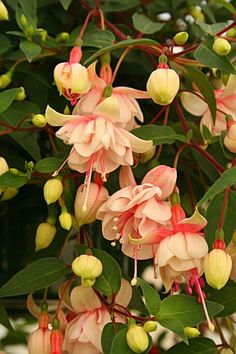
[(3, 12), (21, 95), (191, 332), (9, 193), (137, 338), (150, 326), (56, 338), (87, 202), (62, 37), (181, 38), (5, 80), (65, 219), (230, 138), (23, 21), (88, 268), (39, 120), (197, 13), (39, 340), (221, 46), (52, 190), (71, 77), (163, 85), (217, 267), (45, 234)]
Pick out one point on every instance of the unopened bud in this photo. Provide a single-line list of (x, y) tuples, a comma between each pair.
[(217, 267), (107, 92), (9, 193), (197, 14), (191, 332), (163, 85), (39, 120), (21, 95), (66, 110), (3, 12), (146, 156), (5, 80), (65, 220), (137, 338), (62, 37), (44, 235), (3, 166), (23, 21), (150, 326), (56, 338), (224, 77), (181, 38), (52, 190), (221, 46), (88, 268)]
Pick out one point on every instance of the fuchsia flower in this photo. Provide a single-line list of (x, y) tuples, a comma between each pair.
[(71, 77), (39, 340), (125, 97), (136, 210), (225, 101), (83, 333)]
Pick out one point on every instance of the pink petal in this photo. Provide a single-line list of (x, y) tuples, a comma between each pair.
[(131, 92), (84, 299), (126, 177), (196, 245), (124, 295), (178, 246), (56, 119), (193, 104)]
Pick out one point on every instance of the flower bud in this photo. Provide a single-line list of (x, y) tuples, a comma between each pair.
[(3, 166), (217, 267), (45, 234), (146, 156), (3, 12), (150, 326), (137, 339), (9, 193), (23, 21), (39, 120), (230, 138), (52, 190), (21, 95), (163, 85), (181, 38), (5, 80), (88, 268), (65, 220), (97, 195), (221, 46), (191, 332), (62, 37), (197, 14), (56, 338)]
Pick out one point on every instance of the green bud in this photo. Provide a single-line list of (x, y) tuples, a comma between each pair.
[(21, 95), (42, 33), (9, 193), (221, 46), (107, 92), (224, 77), (105, 58), (150, 326), (23, 21), (30, 30), (39, 120), (197, 13), (62, 37), (52, 190), (14, 171), (181, 38), (137, 339), (5, 80), (45, 234), (65, 220), (231, 32), (3, 12), (87, 267), (191, 332)]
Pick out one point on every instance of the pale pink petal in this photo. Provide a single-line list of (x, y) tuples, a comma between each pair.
[(230, 87), (164, 177), (196, 245), (163, 253), (109, 109), (94, 79), (84, 299), (181, 265), (124, 295), (229, 104), (158, 211), (137, 144), (91, 330), (193, 103), (88, 102), (131, 92), (56, 119), (84, 348), (178, 246), (126, 177)]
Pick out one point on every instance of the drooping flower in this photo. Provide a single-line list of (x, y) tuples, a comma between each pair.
[(225, 101), (128, 107), (135, 210), (83, 333), (71, 77), (39, 340)]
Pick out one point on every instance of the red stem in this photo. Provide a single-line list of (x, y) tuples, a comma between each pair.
[(224, 207), (206, 154), (157, 116), (181, 116)]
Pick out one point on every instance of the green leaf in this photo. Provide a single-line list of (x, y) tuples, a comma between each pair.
[(29, 7), (205, 88), (211, 29), (108, 335), (196, 345), (118, 5), (38, 275), (227, 5), (4, 319), (119, 344), (227, 179), (10, 180), (174, 325), (225, 297), (151, 297), (48, 165), (121, 44), (159, 134), (144, 24), (65, 3), (7, 97), (5, 44), (213, 215), (209, 58), (30, 49), (98, 38), (110, 279), (185, 309)]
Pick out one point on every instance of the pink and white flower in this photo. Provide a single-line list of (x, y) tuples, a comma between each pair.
[(83, 333), (225, 101)]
